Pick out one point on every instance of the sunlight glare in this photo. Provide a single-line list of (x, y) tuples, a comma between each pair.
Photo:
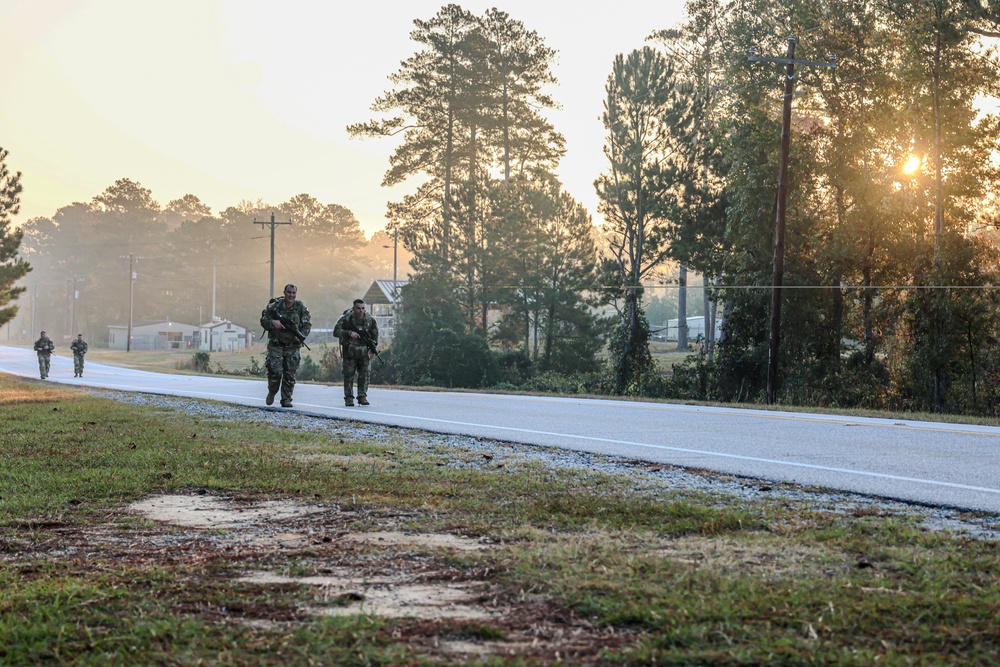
[(912, 165)]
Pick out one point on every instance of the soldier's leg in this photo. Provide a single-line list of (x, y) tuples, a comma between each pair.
[(289, 369), (364, 370), (350, 369), (41, 366), (273, 362)]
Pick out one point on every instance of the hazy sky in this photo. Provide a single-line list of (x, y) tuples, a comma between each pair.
[(246, 99)]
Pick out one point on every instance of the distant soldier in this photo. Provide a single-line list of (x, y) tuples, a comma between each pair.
[(358, 333), (287, 324), (44, 347), (79, 347)]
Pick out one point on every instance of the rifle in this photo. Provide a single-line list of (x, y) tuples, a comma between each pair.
[(365, 338), (290, 327)]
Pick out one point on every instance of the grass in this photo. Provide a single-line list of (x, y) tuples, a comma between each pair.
[(163, 361), (650, 578)]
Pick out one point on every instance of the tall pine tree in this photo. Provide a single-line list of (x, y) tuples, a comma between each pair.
[(12, 267)]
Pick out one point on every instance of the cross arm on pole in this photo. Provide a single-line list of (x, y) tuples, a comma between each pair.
[(790, 61), (271, 223)]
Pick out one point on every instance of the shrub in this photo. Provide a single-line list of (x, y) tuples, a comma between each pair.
[(308, 369), (199, 362)]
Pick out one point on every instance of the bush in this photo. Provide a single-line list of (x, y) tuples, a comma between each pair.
[(515, 367), (308, 369), (256, 368), (329, 365), (199, 363)]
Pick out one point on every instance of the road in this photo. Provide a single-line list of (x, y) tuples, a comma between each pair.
[(949, 465)]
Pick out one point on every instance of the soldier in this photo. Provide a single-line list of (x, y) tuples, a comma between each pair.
[(44, 347), (353, 329), (79, 347), (287, 324)]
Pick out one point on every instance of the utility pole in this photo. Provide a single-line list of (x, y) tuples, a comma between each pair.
[(213, 287), (132, 259), (395, 245), (779, 225), (72, 310), (271, 224), (75, 296)]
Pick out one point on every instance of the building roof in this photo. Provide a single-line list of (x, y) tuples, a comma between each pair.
[(146, 323), (381, 291), (220, 323)]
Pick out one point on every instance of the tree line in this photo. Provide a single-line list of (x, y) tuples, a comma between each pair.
[(891, 253), (891, 217), (185, 259)]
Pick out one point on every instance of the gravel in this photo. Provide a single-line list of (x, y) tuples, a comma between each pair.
[(649, 478)]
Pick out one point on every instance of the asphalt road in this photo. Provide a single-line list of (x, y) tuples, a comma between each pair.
[(938, 464)]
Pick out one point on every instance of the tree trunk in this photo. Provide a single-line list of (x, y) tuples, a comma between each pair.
[(837, 324), (706, 316), (682, 328), (446, 204), (867, 314)]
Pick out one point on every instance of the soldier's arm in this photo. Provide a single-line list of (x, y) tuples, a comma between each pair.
[(305, 321)]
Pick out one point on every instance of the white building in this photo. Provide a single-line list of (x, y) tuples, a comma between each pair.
[(153, 335), (381, 299), (695, 328), (222, 336)]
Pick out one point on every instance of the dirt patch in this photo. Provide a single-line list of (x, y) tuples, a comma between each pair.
[(278, 564), (210, 512), (396, 594)]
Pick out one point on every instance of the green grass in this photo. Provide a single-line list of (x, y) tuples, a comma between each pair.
[(665, 577)]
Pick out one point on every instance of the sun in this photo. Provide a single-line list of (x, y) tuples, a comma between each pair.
[(912, 165)]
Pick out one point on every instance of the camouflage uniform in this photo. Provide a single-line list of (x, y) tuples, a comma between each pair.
[(355, 355), (44, 347), (79, 347), (283, 358)]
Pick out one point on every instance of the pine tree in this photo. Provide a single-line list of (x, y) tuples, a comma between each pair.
[(645, 112), (12, 267), (434, 97), (468, 104)]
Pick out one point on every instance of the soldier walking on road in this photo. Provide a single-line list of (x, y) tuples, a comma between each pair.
[(353, 328), (44, 347), (79, 347), (287, 324)]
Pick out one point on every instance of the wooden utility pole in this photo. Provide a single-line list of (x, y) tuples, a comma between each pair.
[(779, 225), (131, 288), (271, 224)]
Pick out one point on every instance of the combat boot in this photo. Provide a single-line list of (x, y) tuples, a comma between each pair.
[(286, 403), (270, 398), (362, 400), (349, 402)]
